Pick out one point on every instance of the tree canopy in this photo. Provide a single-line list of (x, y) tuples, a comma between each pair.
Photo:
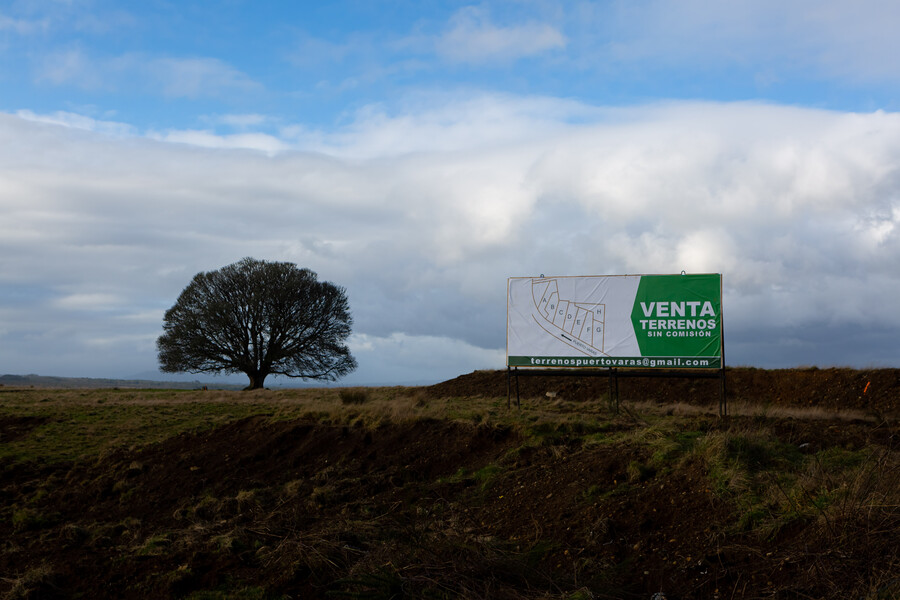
[(259, 318)]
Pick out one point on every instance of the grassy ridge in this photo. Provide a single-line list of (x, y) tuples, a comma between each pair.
[(389, 493), (47, 381)]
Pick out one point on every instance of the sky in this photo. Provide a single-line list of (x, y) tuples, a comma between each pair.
[(420, 153)]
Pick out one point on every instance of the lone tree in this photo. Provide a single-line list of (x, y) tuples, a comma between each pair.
[(260, 318)]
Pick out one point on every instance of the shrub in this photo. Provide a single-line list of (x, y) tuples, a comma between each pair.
[(353, 396)]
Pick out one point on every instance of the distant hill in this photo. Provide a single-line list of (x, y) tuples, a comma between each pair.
[(88, 382)]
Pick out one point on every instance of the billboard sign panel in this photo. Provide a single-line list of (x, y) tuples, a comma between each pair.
[(652, 321)]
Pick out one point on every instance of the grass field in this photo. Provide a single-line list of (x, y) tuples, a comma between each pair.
[(401, 493)]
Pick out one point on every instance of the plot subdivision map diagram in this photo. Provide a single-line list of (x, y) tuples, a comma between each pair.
[(578, 324)]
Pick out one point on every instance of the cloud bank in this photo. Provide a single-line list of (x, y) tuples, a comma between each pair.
[(798, 208)]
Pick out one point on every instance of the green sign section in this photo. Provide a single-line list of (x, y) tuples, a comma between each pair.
[(678, 315)]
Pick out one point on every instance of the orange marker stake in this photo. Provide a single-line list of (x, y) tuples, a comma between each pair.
[(867, 388)]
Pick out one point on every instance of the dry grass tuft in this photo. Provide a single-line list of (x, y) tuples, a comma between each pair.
[(353, 395)]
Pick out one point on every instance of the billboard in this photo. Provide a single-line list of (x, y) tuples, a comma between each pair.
[(651, 321)]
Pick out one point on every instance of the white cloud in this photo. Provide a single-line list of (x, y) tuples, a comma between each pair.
[(198, 77), (207, 139), (22, 26), (73, 66), (473, 38), (173, 77), (78, 121), (88, 302), (152, 317), (34, 17), (122, 342)]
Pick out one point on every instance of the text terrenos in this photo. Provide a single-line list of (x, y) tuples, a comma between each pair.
[(677, 324)]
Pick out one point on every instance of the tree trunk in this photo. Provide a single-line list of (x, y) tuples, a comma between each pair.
[(256, 380)]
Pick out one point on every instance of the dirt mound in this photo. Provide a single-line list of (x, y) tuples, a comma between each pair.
[(874, 390), (696, 507), (145, 514)]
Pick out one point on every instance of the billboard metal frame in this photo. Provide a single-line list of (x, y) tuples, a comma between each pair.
[(513, 374)]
